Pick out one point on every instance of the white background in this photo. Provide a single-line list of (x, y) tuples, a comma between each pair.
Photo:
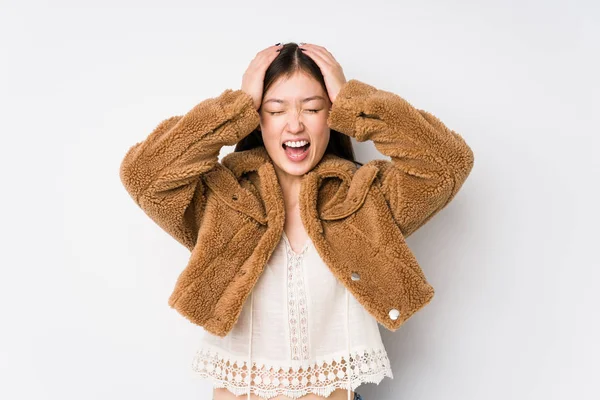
[(514, 258)]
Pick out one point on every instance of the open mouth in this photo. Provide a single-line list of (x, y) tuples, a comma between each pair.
[(296, 150)]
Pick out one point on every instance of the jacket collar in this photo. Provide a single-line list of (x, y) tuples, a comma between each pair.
[(343, 196), (256, 158)]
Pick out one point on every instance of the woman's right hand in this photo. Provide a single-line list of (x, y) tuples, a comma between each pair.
[(253, 78)]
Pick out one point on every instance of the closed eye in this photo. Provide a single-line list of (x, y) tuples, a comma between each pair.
[(279, 112)]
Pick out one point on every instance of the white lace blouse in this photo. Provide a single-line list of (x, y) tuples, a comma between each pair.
[(298, 331)]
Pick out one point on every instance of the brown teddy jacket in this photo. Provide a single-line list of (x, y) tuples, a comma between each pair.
[(230, 214)]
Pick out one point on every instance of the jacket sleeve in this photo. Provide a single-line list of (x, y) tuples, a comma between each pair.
[(429, 162), (162, 173)]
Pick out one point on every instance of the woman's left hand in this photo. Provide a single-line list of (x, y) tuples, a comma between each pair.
[(330, 68)]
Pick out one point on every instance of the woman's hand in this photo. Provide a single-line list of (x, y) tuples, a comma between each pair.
[(253, 78), (332, 71)]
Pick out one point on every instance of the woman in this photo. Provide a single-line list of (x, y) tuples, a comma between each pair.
[(294, 97), (289, 220)]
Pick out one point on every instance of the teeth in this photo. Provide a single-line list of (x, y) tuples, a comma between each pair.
[(299, 143)]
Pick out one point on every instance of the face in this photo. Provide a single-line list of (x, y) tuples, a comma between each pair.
[(293, 122)]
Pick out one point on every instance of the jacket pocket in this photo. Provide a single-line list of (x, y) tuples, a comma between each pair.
[(228, 190), (357, 193)]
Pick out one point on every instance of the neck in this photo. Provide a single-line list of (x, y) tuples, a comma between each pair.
[(290, 187)]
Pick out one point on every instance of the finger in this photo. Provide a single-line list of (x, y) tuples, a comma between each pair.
[(323, 54), (321, 61), (271, 55), (321, 50), (271, 50), (277, 46), (266, 56), (325, 51)]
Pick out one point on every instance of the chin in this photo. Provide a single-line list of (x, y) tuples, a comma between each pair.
[(297, 169)]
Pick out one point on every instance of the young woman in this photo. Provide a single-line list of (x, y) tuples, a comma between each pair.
[(292, 223), (293, 88)]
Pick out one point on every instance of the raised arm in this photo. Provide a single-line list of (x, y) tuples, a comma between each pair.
[(429, 162), (162, 173)]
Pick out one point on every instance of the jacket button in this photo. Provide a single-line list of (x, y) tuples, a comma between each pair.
[(394, 314), (234, 197), (355, 276)]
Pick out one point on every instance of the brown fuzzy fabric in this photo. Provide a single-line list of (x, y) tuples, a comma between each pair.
[(230, 214)]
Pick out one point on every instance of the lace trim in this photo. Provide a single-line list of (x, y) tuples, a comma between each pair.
[(320, 378), (298, 319)]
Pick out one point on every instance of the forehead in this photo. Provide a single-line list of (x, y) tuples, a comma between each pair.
[(298, 87)]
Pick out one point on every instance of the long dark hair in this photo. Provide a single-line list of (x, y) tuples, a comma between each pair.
[(289, 61)]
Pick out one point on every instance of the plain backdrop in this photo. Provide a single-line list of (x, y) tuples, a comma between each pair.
[(85, 275)]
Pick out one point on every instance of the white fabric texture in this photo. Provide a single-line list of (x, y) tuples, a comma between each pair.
[(298, 330)]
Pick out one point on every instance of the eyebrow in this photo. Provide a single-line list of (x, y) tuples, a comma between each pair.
[(304, 100)]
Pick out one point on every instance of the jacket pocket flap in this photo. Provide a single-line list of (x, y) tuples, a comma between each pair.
[(225, 185), (357, 193)]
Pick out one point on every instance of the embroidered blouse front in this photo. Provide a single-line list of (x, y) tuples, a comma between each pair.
[(299, 333)]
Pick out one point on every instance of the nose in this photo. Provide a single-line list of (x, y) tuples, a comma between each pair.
[(295, 123)]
